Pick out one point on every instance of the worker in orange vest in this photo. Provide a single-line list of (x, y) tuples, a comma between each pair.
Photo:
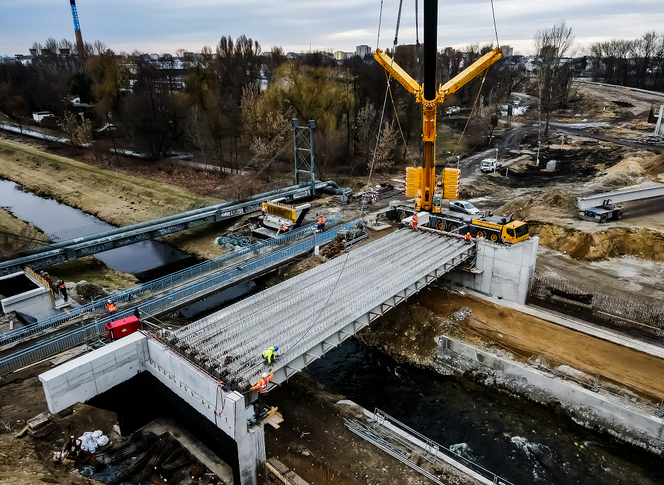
[(111, 307), (468, 237), (415, 220), (261, 385)]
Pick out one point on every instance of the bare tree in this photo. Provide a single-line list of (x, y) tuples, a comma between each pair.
[(552, 46)]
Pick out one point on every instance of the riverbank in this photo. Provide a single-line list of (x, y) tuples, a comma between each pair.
[(116, 198), (577, 361), (11, 225)]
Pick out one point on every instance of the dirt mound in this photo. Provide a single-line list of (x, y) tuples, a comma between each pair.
[(527, 208), (623, 174), (655, 165), (600, 245), (520, 164), (482, 187)]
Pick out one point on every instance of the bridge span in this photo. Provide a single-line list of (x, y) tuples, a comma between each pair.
[(211, 364), (309, 314), (123, 236)]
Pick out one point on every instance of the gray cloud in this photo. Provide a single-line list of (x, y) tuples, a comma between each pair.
[(165, 25)]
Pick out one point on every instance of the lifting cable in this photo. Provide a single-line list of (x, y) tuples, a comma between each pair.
[(495, 29), (471, 114), (373, 160)]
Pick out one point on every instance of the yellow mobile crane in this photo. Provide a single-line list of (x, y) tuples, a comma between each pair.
[(422, 182)]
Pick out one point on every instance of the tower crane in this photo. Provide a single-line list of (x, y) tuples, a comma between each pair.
[(77, 30)]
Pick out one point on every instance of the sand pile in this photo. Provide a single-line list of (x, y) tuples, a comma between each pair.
[(520, 164), (623, 174), (482, 187), (654, 165), (601, 245), (528, 208)]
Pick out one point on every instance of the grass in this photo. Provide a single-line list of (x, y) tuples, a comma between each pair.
[(119, 199)]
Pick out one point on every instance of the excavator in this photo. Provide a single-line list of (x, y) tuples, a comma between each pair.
[(421, 182)]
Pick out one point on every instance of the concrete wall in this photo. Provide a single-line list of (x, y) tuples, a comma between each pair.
[(36, 303), (507, 269), (198, 389), (621, 420), (89, 375), (226, 409)]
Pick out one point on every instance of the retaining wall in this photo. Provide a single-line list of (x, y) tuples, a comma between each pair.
[(590, 408), (504, 270)]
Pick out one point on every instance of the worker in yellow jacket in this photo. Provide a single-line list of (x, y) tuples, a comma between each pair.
[(270, 353)]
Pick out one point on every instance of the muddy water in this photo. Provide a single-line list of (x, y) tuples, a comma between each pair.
[(521, 441), (147, 258)]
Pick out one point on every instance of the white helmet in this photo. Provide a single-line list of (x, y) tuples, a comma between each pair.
[(265, 374), (109, 302)]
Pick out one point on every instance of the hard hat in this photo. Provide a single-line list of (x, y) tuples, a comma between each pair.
[(276, 348), (467, 234), (265, 374), (109, 301)]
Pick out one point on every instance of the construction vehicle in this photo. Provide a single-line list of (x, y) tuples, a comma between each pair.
[(487, 225), (278, 218), (421, 182), (603, 207)]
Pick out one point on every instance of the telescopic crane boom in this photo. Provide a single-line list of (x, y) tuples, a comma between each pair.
[(427, 95)]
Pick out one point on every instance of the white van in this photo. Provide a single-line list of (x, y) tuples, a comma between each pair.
[(488, 165)]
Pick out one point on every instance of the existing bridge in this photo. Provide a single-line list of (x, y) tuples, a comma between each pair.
[(124, 236)]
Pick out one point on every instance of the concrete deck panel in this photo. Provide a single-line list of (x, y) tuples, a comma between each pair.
[(309, 314)]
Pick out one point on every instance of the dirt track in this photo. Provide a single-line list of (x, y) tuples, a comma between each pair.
[(407, 333)]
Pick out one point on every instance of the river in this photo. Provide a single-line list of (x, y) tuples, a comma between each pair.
[(514, 438), (146, 259)]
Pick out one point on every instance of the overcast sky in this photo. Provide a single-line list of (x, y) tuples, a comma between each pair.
[(162, 26)]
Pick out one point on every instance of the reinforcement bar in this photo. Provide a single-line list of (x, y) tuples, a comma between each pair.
[(312, 312), (170, 301), (73, 249)]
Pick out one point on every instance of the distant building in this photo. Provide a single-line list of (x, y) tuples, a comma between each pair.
[(363, 51), (341, 55), (506, 51)]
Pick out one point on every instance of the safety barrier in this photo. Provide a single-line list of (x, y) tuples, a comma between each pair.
[(174, 299), (157, 286)]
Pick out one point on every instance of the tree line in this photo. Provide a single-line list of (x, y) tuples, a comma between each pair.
[(637, 62), (232, 103)]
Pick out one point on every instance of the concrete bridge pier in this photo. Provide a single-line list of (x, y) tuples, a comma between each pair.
[(92, 374)]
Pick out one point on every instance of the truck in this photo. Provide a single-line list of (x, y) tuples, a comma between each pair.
[(602, 213), (487, 225), (489, 165)]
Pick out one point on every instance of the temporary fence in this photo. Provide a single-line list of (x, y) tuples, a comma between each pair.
[(176, 298), (140, 292), (618, 310), (414, 449)]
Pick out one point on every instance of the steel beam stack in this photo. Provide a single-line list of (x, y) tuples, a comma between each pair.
[(303, 312)]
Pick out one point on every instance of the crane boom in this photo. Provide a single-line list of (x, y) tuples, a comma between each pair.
[(398, 73), (427, 95), (472, 71)]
